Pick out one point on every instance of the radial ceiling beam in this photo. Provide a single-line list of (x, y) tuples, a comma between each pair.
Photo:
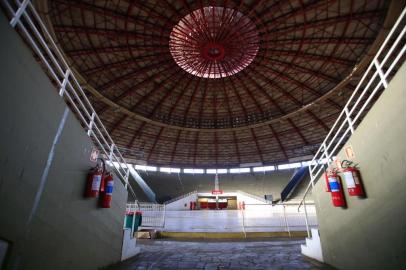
[(304, 70), (180, 96), (314, 5), (327, 22), (288, 95), (165, 97), (191, 99), (124, 63), (237, 150), (133, 73), (257, 145), (136, 134), (205, 89), (315, 118), (151, 151), (285, 77), (249, 92), (237, 94), (126, 93), (113, 34), (311, 57), (175, 146), (265, 93), (216, 147), (298, 131), (113, 14), (174, 76), (195, 148), (168, 92), (313, 41), (105, 49), (279, 141)]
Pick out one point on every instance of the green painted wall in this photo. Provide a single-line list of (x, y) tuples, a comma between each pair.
[(67, 231), (371, 233)]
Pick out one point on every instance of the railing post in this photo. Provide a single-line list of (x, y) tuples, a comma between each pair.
[(127, 175), (89, 131), (19, 12), (306, 220), (286, 221), (64, 82), (111, 152), (325, 151), (243, 223), (347, 114), (311, 175), (163, 226), (381, 74), (133, 224)]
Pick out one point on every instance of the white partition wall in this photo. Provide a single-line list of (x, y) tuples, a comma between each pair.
[(257, 216)]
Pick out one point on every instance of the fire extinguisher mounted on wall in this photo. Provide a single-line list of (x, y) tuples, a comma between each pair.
[(353, 179), (336, 189), (95, 179), (107, 194)]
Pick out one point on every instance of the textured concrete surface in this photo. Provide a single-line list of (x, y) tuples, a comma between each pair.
[(370, 233), (67, 231), (213, 255)]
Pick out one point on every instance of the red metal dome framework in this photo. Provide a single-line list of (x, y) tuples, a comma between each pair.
[(246, 82), (214, 42)]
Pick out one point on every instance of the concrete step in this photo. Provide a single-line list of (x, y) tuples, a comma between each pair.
[(312, 248), (129, 248)]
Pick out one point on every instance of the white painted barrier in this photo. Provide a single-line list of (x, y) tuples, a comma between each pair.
[(255, 218)]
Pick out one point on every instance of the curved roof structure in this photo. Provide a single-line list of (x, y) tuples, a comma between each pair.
[(217, 83)]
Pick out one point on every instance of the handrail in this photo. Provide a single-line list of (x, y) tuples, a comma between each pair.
[(180, 197), (374, 79), (25, 17), (253, 196)]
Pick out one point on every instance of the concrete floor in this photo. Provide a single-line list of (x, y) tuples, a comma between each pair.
[(211, 255)]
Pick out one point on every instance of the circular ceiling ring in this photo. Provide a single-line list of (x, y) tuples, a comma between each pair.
[(214, 42)]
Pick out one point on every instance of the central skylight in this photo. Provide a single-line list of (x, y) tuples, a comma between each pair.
[(214, 42)]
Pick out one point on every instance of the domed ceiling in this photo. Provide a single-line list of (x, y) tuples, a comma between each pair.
[(217, 83)]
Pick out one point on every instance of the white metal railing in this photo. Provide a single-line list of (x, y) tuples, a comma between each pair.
[(375, 79), (153, 214), (283, 216), (255, 197), (27, 20), (255, 217)]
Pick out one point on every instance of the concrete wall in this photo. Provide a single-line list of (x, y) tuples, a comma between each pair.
[(66, 231), (370, 233), (167, 186), (183, 203)]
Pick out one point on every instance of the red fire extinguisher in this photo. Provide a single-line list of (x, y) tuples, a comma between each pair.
[(336, 189), (108, 190), (94, 179), (353, 179)]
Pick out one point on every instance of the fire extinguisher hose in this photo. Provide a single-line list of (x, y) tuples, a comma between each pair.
[(348, 163), (103, 163)]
